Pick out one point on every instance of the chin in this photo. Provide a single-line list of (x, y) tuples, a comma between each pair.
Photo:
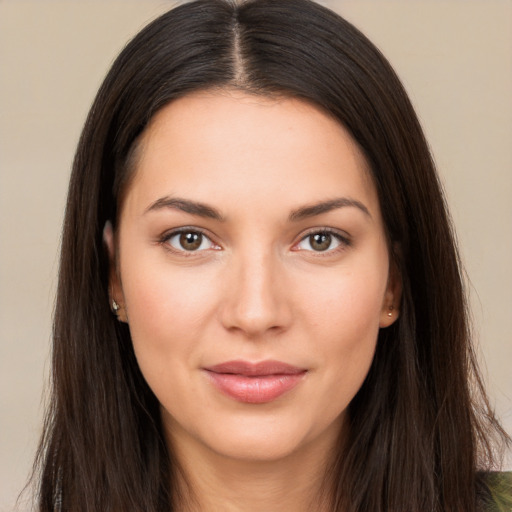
[(264, 437), (258, 447)]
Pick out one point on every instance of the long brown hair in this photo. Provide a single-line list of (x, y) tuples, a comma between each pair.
[(420, 426)]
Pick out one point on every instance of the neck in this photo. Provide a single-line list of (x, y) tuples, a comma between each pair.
[(210, 482)]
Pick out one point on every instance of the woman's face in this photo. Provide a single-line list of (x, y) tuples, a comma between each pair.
[(253, 271)]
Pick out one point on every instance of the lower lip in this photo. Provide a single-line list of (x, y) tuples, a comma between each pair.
[(257, 389)]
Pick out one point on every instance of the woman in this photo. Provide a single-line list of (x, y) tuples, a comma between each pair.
[(260, 304)]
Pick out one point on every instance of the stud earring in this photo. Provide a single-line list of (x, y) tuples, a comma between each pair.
[(115, 307), (390, 312)]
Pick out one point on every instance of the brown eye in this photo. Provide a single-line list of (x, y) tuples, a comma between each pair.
[(189, 241), (320, 241)]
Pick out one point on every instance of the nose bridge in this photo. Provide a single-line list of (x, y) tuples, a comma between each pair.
[(256, 302)]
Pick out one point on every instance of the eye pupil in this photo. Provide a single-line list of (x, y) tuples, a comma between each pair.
[(320, 241), (191, 241)]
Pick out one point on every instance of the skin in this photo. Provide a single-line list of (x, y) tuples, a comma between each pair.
[(257, 288)]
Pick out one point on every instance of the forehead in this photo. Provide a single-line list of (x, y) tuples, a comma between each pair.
[(224, 145)]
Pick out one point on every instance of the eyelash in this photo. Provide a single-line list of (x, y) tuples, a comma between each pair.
[(343, 240), (166, 237)]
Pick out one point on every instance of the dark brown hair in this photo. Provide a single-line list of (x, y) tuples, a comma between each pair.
[(420, 426)]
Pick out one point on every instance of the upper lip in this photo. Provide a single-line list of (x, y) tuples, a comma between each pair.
[(260, 369)]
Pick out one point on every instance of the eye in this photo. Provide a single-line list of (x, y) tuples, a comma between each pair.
[(189, 241), (322, 241)]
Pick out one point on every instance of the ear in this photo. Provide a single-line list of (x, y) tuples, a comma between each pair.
[(392, 298), (116, 296)]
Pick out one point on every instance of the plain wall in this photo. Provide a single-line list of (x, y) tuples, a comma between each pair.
[(454, 57)]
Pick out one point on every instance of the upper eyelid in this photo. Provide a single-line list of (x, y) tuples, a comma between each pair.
[(185, 229), (332, 231)]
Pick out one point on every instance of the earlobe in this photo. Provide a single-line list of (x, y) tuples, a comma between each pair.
[(392, 299), (116, 297)]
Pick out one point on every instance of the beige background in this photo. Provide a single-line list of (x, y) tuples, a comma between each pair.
[(455, 58)]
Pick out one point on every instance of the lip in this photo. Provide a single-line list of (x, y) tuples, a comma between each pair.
[(255, 383)]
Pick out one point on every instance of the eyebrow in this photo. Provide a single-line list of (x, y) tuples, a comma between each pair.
[(187, 206), (327, 206), (203, 210)]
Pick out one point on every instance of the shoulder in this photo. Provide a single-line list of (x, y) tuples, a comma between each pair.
[(496, 491)]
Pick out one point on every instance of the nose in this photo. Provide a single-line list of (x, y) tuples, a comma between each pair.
[(256, 299)]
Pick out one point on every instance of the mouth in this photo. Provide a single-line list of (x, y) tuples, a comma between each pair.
[(255, 383)]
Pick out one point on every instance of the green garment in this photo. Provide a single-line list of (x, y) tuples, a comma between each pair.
[(498, 495)]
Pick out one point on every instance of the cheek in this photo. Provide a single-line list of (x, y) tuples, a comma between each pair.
[(167, 310), (342, 314), (167, 297), (348, 301)]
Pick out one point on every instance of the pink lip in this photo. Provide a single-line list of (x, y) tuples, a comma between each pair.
[(255, 383)]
